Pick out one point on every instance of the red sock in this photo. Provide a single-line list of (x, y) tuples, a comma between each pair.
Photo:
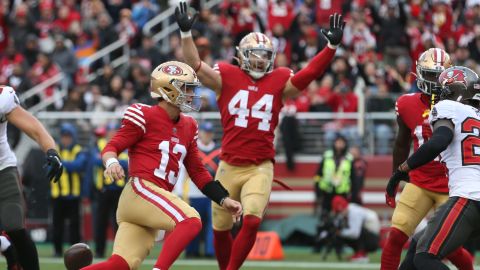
[(114, 262), (244, 241), (461, 258), (222, 241), (393, 249), (177, 241)]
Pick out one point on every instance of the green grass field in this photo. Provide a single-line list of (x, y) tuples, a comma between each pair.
[(295, 258)]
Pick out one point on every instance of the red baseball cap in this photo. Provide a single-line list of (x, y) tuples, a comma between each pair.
[(339, 204)]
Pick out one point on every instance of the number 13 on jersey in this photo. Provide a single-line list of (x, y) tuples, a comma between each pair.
[(262, 110)]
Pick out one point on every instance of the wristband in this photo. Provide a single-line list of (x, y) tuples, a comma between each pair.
[(185, 34), (333, 47), (110, 161)]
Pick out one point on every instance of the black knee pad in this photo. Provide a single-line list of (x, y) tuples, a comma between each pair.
[(11, 215)]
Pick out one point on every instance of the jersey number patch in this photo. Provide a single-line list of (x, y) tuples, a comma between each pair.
[(161, 171), (471, 142), (262, 110)]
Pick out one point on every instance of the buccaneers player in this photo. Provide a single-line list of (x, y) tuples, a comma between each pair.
[(250, 97), (159, 139), (428, 187)]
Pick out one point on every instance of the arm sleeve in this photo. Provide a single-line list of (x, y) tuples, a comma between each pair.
[(314, 68), (440, 140), (198, 173)]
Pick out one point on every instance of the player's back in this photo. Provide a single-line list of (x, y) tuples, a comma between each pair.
[(462, 156), (250, 111), (413, 110), (159, 152), (8, 102)]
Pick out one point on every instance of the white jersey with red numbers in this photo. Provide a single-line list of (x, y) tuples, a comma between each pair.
[(8, 102), (249, 110), (157, 146), (462, 156)]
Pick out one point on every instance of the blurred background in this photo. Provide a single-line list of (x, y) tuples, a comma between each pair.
[(83, 62)]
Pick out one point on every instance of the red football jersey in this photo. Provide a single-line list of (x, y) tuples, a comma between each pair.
[(414, 110), (157, 147), (249, 111)]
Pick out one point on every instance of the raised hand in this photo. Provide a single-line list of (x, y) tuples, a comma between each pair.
[(335, 33), (184, 21)]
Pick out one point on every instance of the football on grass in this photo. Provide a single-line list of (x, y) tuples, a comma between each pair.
[(77, 256)]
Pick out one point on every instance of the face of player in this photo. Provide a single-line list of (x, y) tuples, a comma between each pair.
[(259, 59), (188, 101)]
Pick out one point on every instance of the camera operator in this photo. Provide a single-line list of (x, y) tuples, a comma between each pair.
[(362, 228)]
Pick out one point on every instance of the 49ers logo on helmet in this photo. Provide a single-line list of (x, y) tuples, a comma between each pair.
[(453, 76), (172, 70)]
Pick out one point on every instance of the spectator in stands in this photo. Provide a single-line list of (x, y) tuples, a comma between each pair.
[(66, 192), (65, 58), (334, 175), (7, 62), (30, 49), (19, 80), (392, 37), (150, 53), (360, 169), (107, 191), (362, 230), (399, 77), (20, 27), (342, 100), (115, 87), (203, 47), (127, 98), (319, 94), (103, 81), (43, 70), (75, 101), (45, 26), (126, 27), (383, 129), (143, 11), (106, 31)]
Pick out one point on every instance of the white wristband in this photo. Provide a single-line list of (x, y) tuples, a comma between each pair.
[(110, 161), (332, 46), (185, 34)]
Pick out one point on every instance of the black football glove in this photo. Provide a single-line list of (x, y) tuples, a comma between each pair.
[(184, 21), (392, 186), (335, 33), (53, 166)]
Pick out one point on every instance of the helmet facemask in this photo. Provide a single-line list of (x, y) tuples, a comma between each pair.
[(256, 61), (427, 80), (182, 95)]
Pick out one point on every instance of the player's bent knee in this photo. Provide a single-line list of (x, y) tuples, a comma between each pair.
[(12, 217), (402, 222)]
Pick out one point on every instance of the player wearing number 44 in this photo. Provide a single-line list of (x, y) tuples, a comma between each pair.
[(249, 98), (159, 140)]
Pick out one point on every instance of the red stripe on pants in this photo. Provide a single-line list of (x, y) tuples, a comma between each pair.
[(447, 226)]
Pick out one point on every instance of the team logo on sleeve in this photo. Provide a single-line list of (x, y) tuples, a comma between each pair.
[(172, 70), (434, 112)]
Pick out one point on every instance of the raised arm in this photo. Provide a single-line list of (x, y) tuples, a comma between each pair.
[(319, 63), (207, 76)]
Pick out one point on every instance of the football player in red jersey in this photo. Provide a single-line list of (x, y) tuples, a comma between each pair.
[(428, 186), (250, 97), (159, 140)]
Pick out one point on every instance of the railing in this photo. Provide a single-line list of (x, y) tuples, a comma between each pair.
[(168, 27), (311, 127), (39, 88), (104, 54)]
